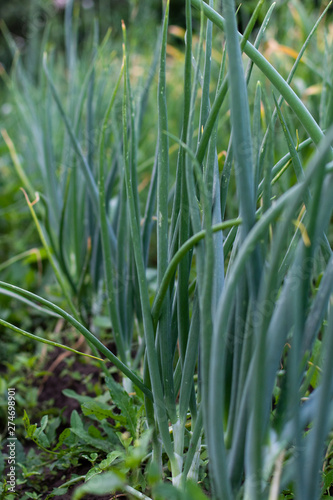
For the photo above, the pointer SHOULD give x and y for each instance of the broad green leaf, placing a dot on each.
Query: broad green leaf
(125, 404)
(79, 397)
(59, 492)
(101, 485)
(40, 437)
(165, 491)
(110, 459)
(78, 429)
(104, 465)
(44, 422)
(194, 492)
(100, 410)
(62, 438)
(328, 480)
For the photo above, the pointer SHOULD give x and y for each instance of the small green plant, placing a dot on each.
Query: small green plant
(233, 363)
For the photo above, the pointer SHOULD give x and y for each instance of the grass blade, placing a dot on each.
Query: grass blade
(154, 373)
(181, 190)
(179, 255)
(80, 328)
(240, 120)
(91, 184)
(319, 307)
(320, 427)
(44, 341)
(107, 251)
(50, 256)
(162, 227)
(273, 76)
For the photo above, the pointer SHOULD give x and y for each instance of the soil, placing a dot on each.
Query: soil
(53, 385)
(51, 390)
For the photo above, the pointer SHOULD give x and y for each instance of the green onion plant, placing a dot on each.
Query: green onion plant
(241, 304)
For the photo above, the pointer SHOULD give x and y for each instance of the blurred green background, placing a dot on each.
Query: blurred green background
(27, 20)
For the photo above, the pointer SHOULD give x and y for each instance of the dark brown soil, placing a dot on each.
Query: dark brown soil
(51, 396)
(52, 386)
